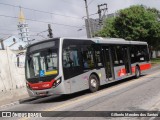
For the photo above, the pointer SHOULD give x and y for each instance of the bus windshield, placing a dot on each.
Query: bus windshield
(42, 63)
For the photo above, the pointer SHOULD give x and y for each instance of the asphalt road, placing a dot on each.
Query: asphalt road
(131, 94)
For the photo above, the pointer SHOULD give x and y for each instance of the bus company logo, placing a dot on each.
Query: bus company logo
(45, 85)
(35, 87)
(6, 114)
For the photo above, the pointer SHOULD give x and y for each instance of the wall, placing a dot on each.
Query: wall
(11, 76)
(154, 54)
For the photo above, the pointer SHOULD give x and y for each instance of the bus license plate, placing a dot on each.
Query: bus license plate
(42, 93)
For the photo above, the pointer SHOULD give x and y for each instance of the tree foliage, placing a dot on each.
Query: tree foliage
(135, 23)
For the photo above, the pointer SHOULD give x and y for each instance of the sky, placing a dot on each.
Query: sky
(66, 20)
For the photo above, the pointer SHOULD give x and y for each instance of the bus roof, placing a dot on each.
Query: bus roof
(98, 40)
(110, 40)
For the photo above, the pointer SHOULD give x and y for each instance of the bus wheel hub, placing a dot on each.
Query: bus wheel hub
(93, 83)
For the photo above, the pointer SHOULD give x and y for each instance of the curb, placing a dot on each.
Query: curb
(9, 105)
(21, 101)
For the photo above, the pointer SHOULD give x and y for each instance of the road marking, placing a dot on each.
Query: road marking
(94, 95)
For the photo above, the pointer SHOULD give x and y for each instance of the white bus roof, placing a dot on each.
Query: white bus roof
(99, 40)
(110, 40)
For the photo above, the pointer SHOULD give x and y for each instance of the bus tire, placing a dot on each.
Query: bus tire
(137, 72)
(93, 83)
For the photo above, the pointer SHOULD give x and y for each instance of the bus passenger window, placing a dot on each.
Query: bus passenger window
(98, 58)
(117, 54)
(87, 57)
(85, 64)
(88, 61)
(70, 58)
(143, 53)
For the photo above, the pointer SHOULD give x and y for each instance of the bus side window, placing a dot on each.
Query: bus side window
(98, 58)
(117, 54)
(70, 58)
(143, 53)
(139, 53)
(133, 51)
(87, 55)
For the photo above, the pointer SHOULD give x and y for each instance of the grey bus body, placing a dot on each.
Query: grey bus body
(109, 59)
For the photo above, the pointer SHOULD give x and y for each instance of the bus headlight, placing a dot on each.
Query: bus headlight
(28, 86)
(57, 82)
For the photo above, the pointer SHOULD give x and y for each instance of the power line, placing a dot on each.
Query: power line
(69, 2)
(7, 34)
(32, 32)
(90, 2)
(7, 29)
(16, 31)
(89, 15)
(40, 21)
(41, 11)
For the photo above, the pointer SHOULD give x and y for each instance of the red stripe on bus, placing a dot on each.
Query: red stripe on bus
(133, 69)
(41, 85)
(122, 72)
(145, 66)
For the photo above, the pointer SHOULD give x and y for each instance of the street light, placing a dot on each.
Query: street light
(14, 42)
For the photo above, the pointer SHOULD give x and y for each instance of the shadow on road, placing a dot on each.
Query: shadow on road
(62, 98)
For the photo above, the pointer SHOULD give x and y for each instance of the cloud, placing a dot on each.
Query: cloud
(75, 8)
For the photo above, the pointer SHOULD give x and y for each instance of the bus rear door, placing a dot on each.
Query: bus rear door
(107, 63)
(127, 61)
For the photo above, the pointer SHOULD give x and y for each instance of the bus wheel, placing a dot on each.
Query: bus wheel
(138, 72)
(93, 83)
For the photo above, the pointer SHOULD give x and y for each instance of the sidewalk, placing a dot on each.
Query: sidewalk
(13, 96)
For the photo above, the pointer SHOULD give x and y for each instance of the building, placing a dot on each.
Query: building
(23, 28)
(96, 25)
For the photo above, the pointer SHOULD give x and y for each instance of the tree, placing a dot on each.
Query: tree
(135, 23)
(108, 28)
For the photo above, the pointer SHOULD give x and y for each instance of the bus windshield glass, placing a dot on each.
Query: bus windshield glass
(42, 63)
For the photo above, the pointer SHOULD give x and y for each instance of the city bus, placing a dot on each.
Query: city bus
(67, 65)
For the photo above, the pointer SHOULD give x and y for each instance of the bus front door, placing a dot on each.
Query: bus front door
(107, 63)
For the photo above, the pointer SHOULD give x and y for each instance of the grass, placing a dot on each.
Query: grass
(155, 61)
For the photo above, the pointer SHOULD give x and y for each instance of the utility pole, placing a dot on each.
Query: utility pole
(100, 9)
(2, 44)
(50, 34)
(88, 20)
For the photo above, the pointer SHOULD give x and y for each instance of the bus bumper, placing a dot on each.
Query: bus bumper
(46, 92)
